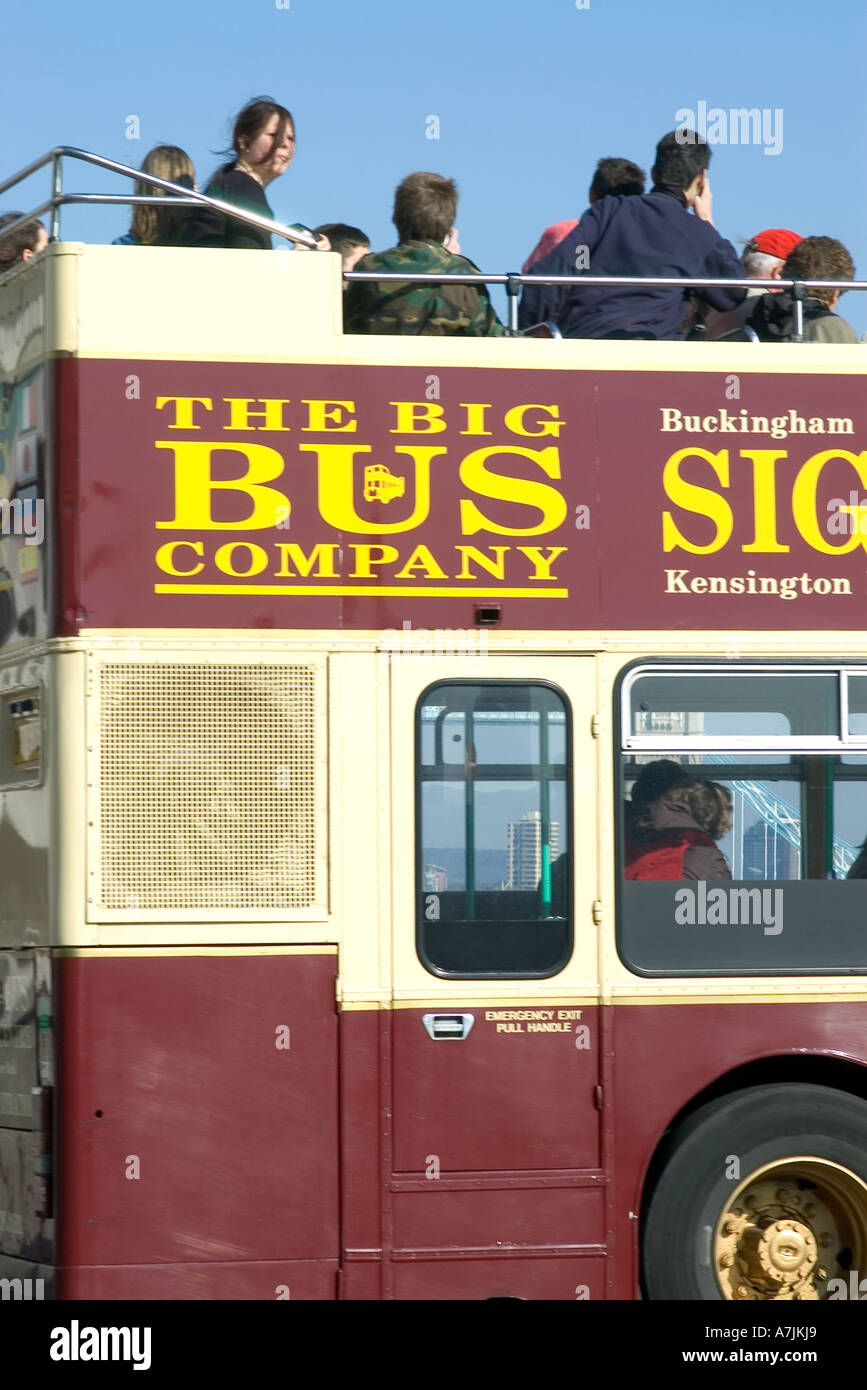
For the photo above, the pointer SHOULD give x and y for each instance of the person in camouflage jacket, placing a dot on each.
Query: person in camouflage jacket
(425, 207)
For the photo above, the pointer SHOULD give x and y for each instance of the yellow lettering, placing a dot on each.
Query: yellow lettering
(194, 485)
(241, 413)
(225, 556)
(804, 501)
(321, 555)
(421, 558)
(336, 486)
(166, 558)
(408, 417)
(320, 413)
(364, 558)
(184, 409)
(700, 500)
(514, 420)
(475, 418)
(495, 566)
(765, 500)
(535, 556)
(474, 474)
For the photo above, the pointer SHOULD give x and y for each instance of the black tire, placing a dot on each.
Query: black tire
(759, 1126)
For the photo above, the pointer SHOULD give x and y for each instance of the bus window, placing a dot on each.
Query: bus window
(856, 706)
(850, 816)
(718, 707)
(20, 739)
(752, 891)
(493, 767)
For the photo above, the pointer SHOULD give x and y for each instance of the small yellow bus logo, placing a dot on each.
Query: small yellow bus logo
(380, 485)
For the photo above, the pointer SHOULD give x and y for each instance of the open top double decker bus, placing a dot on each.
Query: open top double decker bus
(321, 703)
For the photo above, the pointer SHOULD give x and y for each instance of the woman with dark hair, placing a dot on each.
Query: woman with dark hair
(263, 144)
(26, 241)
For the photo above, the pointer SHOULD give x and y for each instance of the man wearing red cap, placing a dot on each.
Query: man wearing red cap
(765, 254)
(764, 257)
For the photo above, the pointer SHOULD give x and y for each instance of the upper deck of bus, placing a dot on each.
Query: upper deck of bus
(213, 452)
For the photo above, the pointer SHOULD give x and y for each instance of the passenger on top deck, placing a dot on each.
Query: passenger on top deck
(29, 239)
(425, 207)
(763, 258)
(350, 243)
(558, 245)
(666, 233)
(814, 258)
(263, 140)
(152, 226)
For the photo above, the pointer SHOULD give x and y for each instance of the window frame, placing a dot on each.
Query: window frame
(765, 743)
(491, 682)
(626, 746)
(14, 776)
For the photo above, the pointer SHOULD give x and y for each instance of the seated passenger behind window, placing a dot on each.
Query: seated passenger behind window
(26, 241)
(152, 226)
(814, 258)
(671, 825)
(425, 208)
(263, 141)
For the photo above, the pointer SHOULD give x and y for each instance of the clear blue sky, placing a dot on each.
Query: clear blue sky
(528, 97)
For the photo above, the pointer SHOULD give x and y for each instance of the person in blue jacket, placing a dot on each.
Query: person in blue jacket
(667, 232)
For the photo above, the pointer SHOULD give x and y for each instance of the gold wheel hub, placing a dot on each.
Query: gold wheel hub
(781, 1252)
(790, 1228)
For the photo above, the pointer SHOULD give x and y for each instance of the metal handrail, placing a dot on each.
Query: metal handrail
(186, 197)
(467, 279)
(513, 282)
(553, 330)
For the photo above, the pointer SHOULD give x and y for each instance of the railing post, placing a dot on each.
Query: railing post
(56, 192)
(798, 298)
(513, 289)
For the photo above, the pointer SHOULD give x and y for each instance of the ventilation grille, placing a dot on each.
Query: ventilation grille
(206, 786)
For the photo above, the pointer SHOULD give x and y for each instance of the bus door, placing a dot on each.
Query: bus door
(26, 1082)
(495, 1126)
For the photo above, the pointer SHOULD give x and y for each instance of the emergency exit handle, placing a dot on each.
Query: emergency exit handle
(445, 1027)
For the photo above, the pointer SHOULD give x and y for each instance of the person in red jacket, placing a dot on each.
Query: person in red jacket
(672, 823)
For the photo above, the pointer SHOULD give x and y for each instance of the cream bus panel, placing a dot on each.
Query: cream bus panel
(225, 306)
(573, 678)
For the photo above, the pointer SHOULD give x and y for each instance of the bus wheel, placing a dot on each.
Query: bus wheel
(763, 1197)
